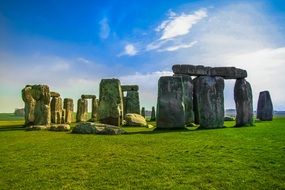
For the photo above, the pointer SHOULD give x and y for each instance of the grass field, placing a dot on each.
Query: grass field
(228, 158)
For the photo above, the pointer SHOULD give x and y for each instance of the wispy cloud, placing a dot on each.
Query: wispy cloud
(104, 28)
(177, 47)
(129, 50)
(179, 25)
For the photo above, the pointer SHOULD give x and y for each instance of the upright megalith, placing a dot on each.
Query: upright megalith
(264, 107)
(37, 104)
(152, 115)
(131, 100)
(143, 112)
(68, 108)
(56, 110)
(170, 106)
(209, 101)
(81, 115)
(187, 83)
(110, 109)
(94, 105)
(243, 100)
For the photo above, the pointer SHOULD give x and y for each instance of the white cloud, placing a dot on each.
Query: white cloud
(179, 25)
(129, 50)
(104, 28)
(179, 46)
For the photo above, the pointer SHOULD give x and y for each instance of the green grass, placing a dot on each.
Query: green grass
(227, 158)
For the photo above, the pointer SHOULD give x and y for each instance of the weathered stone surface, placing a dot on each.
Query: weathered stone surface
(37, 104)
(170, 106)
(81, 115)
(199, 70)
(243, 100)
(143, 112)
(96, 128)
(56, 110)
(110, 109)
(188, 98)
(88, 96)
(69, 108)
(264, 107)
(132, 102)
(133, 119)
(94, 109)
(153, 115)
(130, 87)
(209, 101)
(59, 127)
(54, 94)
(19, 112)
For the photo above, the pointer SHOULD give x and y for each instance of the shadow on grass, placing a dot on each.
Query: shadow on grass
(12, 128)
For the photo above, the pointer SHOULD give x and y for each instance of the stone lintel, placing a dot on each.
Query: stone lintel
(200, 70)
(130, 87)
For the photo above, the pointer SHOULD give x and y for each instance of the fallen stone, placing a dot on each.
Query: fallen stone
(110, 109)
(209, 101)
(59, 127)
(243, 100)
(37, 127)
(95, 128)
(264, 107)
(199, 70)
(170, 106)
(130, 87)
(133, 119)
(228, 118)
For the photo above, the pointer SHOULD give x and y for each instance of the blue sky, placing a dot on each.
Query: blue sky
(72, 45)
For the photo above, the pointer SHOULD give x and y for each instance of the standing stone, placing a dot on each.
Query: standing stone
(243, 100)
(264, 107)
(132, 102)
(153, 115)
(81, 115)
(209, 101)
(56, 110)
(110, 110)
(170, 106)
(143, 112)
(94, 109)
(37, 104)
(188, 98)
(68, 107)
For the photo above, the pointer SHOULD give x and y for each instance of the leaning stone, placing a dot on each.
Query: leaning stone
(152, 115)
(130, 87)
(54, 94)
(68, 107)
(59, 127)
(133, 119)
(170, 106)
(110, 110)
(264, 107)
(209, 101)
(199, 70)
(81, 115)
(243, 100)
(132, 102)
